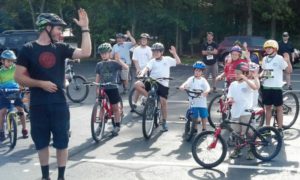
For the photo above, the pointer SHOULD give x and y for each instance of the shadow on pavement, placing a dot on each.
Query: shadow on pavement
(201, 173)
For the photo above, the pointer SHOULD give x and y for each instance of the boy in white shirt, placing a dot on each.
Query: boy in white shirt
(159, 67)
(273, 66)
(199, 104)
(240, 94)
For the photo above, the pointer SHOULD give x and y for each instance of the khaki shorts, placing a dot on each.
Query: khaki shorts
(124, 74)
(211, 69)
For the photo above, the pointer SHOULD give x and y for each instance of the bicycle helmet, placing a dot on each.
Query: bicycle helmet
(103, 48)
(244, 67)
(8, 55)
(199, 65)
(253, 67)
(51, 19)
(158, 47)
(237, 49)
(145, 35)
(120, 35)
(271, 44)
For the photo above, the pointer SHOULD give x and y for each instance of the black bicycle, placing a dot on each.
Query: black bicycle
(209, 148)
(189, 130)
(152, 110)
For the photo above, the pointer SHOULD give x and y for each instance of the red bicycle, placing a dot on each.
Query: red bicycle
(102, 112)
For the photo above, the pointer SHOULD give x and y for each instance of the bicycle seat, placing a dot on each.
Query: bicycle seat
(256, 111)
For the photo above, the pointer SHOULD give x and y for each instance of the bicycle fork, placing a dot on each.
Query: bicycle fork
(215, 140)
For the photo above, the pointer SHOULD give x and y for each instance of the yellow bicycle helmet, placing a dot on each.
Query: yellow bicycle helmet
(271, 44)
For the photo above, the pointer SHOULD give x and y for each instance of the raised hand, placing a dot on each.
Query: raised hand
(83, 20)
(173, 50)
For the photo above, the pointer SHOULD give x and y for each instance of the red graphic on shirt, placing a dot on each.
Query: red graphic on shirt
(47, 60)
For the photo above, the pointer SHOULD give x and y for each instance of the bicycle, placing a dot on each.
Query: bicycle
(139, 105)
(219, 110)
(152, 113)
(102, 111)
(209, 148)
(189, 123)
(10, 119)
(75, 88)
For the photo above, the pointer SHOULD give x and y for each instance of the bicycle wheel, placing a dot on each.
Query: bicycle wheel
(206, 156)
(76, 90)
(148, 118)
(139, 106)
(266, 144)
(12, 130)
(290, 109)
(98, 120)
(188, 128)
(215, 115)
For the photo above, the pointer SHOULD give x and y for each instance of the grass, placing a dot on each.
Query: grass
(188, 60)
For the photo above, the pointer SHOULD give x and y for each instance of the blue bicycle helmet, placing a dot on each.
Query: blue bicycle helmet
(199, 65)
(9, 55)
(237, 49)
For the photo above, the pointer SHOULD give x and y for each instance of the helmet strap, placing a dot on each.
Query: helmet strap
(49, 34)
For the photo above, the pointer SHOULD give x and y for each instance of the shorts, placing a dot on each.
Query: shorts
(162, 91)
(5, 103)
(124, 74)
(211, 69)
(199, 112)
(113, 95)
(272, 97)
(50, 118)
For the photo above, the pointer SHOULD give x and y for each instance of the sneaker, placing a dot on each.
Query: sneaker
(116, 130)
(164, 126)
(235, 154)
(2, 136)
(24, 133)
(250, 155)
(133, 108)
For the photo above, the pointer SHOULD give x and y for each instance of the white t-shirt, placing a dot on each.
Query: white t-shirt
(242, 96)
(198, 84)
(142, 55)
(161, 68)
(255, 96)
(277, 64)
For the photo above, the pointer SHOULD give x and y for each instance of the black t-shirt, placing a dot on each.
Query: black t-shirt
(46, 63)
(285, 48)
(108, 72)
(209, 59)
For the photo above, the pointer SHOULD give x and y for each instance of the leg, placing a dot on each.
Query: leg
(116, 111)
(62, 158)
(268, 109)
(140, 88)
(279, 113)
(164, 103)
(214, 72)
(124, 77)
(3, 112)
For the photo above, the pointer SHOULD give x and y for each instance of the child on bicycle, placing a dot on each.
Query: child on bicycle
(107, 72)
(231, 63)
(273, 66)
(159, 67)
(7, 82)
(240, 95)
(254, 77)
(199, 104)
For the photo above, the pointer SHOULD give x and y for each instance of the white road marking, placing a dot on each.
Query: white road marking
(26, 170)
(191, 164)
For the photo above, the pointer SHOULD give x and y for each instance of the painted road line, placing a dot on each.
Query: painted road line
(191, 164)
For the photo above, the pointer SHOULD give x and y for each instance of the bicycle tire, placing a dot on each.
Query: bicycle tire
(286, 109)
(260, 120)
(257, 141)
(201, 159)
(77, 88)
(121, 114)
(139, 109)
(12, 130)
(212, 119)
(188, 128)
(148, 118)
(97, 126)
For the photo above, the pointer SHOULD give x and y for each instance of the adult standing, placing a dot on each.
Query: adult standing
(286, 50)
(41, 66)
(209, 53)
(122, 48)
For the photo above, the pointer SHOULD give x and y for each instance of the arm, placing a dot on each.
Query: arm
(144, 71)
(22, 77)
(131, 38)
(249, 83)
(183, 85)
(123, 64)
(289, 68)
(86, 46)
(97, 80)
(174, 53)
(137, 66)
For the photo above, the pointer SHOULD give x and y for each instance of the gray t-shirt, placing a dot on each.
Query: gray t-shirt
(108, 72)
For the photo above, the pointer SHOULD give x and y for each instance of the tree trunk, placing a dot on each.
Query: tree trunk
(250, 18)
(32, 14)
(42, 7)
(273, 27)
(192, 41)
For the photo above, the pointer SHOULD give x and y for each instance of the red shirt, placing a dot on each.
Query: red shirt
(230, 69)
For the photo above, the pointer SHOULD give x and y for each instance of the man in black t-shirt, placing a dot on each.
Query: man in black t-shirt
(41, 67)
(286, 49)
(209, 53)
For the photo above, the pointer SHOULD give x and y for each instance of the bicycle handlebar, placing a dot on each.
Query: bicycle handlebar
(197, 92)
(157, 79)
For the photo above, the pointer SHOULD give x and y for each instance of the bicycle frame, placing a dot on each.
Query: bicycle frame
(106, 105)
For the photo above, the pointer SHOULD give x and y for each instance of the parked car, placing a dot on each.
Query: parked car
(255, 46)
(15, 39)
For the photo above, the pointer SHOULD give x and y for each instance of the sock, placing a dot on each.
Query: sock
(45, 171)
(118, 124)
(61, 172)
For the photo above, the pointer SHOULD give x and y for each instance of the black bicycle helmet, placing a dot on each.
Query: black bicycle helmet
(51, 19)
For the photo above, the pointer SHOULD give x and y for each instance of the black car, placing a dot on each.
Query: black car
(15, 39)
